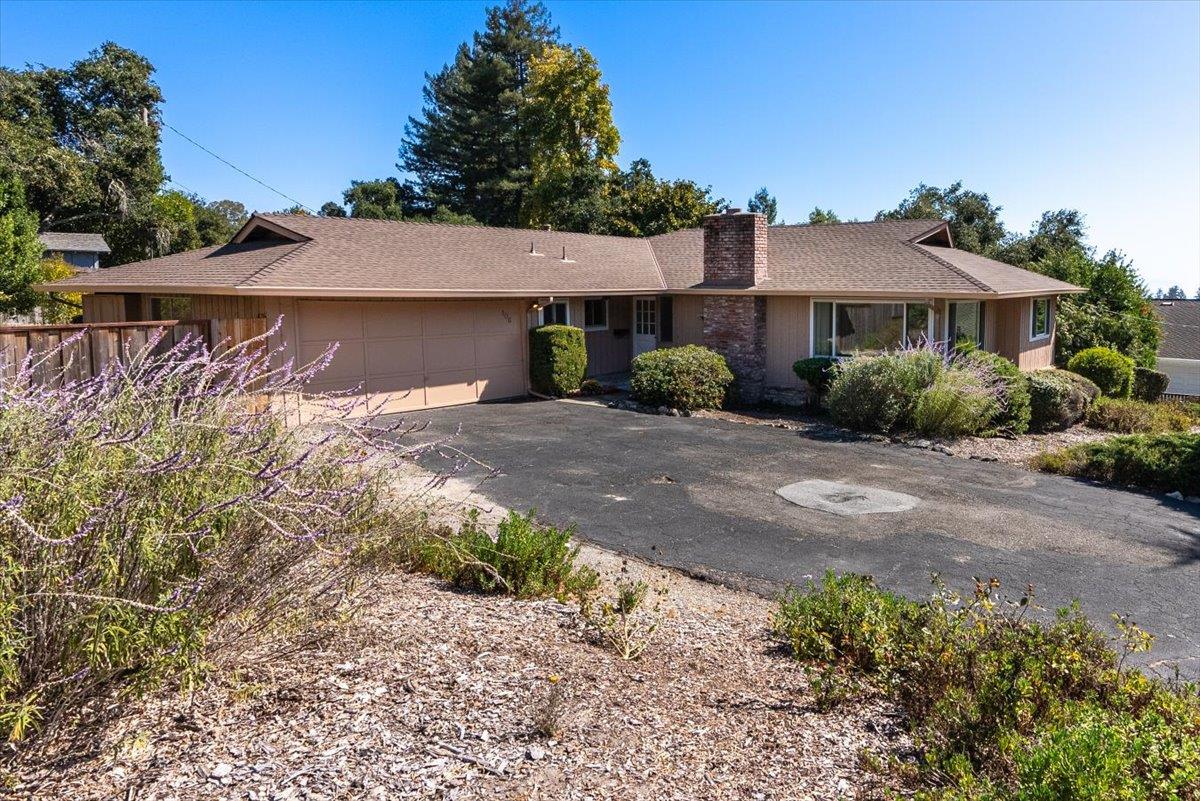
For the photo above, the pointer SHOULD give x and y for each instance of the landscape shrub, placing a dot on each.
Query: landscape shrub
(1012, 412)
(999, 704)
(1137, 417)
(557, 359)
(1058, 399)
(591, 386)
(879, 393)
(1160, 462)
(817, 371)
(525, 559)
(1149, 385)
(150, 516)
(689, 377)
(1112, 372)
(958, 403)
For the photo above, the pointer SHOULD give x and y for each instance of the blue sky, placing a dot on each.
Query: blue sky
(846, 106)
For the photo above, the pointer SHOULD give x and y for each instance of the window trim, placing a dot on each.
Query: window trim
(812, 319)
(650, 318)
(1034, 336)
(587, 327)
(542, 312)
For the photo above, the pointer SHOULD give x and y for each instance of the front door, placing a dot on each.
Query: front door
(645, 325)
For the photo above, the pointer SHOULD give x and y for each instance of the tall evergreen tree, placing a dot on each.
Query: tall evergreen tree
(468, 149)
(764, 203)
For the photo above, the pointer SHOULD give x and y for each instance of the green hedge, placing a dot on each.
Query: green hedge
(1149, 385)
(879, 393)
(557, 359)
(1162, 462)
(1107, 369)
(1058, 399)
(688, 377)
(1012, 413)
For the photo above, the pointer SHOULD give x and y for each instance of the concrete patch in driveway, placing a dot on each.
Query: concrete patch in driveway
(846, 500)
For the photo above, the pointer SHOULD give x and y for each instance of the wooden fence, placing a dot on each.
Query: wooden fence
(103, 342)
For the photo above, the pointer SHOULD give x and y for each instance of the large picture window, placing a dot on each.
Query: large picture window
(964, 322)
(843, 328)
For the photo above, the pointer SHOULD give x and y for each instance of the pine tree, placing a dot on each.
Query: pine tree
(468, 151)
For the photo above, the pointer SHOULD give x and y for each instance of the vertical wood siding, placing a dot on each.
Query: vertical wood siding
(688, 319)
(787, 339)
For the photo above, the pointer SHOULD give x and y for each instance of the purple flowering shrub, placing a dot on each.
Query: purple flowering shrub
(160, 508)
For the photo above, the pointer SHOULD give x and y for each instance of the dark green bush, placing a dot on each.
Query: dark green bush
(1137, 417)
(525, 559)
(1149, 385)
(879, 393)
(1162, 462)
(689, 377)
(1000, 705)
(1012, 414)
(817, 371)
(557, 359)
(1112, 372)
(1058, 399)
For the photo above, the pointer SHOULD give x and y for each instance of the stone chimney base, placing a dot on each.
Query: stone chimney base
(735, 326)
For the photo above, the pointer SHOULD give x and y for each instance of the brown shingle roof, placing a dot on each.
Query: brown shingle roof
(65, 242)
(354, 256)
(398, 256)
(1181, 328)
(221, 266)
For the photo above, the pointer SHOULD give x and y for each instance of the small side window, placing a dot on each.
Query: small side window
(555, 314)
(174, 308)
(1040, 319)
(595, 314)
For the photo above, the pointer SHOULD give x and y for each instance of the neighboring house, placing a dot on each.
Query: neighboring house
(1179, 351)
(430, 314)
(82, 251)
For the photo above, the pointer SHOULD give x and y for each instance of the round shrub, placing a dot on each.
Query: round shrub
(557, 359)
(1012, 412)
(817, 371)
(1107, 369)
(878, 393)
(688, 377)
(1149, 385)
(1058, 399)
(958, 403)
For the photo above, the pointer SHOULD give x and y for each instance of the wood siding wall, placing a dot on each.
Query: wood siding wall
(688, 319)
(1013, 323)
(787, 339)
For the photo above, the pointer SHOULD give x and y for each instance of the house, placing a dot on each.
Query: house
(1179, 350)
(429, 314)
(82, 251)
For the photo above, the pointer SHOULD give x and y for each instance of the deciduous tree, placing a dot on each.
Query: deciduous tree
(974, 220)
(820, 216)
(643, 205)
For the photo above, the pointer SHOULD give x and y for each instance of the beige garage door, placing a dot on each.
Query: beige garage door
(414, 355)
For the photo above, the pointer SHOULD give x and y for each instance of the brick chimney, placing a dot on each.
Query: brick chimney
(735, 248)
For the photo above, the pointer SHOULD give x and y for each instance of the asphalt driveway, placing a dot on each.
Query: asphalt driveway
(698, 494)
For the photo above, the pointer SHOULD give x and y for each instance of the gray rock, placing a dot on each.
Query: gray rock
(222, 770)
(535, 752)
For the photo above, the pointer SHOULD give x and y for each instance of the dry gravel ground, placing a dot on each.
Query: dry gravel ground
(426, 692)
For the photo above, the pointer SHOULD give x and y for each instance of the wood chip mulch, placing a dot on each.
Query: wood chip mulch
(431, 693)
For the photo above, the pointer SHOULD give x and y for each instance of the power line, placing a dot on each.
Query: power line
(233, 166)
